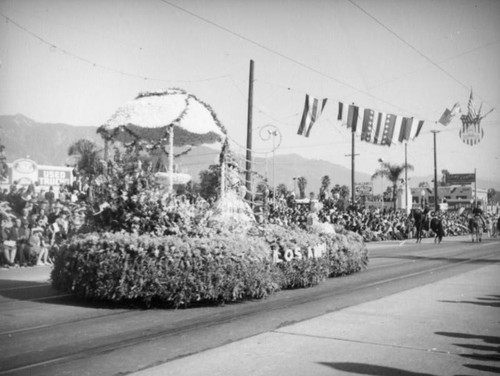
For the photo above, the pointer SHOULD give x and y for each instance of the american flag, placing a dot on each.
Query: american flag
(312, 111)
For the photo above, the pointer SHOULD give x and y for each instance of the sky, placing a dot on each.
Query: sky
(76, 62)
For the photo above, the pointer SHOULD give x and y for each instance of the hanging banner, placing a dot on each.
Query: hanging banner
(364, 189)
(471, 132)
(460, 179)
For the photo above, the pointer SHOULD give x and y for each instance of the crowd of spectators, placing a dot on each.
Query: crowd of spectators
(373, 224)
(42, 219)
(38, 221)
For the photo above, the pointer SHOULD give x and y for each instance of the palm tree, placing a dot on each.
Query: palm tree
(87, 158)
(392, 172)
(281, 189)
(325, 183)
(302, 183)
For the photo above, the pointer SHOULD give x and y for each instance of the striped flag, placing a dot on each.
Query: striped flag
(377, 137)
(405, 131)
(379, 128)
(418, 129)
(312, 111)
(448, 115)
(341, 113)
(471, 112)
(368, 125)
(353, 117)
(388, 132)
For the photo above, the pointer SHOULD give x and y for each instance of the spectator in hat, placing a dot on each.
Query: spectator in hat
(50, 196)
(8, 243)
(37, 246)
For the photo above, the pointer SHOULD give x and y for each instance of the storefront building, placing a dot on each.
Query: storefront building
(24, 172)
(451, 198)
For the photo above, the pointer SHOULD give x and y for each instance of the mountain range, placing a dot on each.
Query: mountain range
(48, 144)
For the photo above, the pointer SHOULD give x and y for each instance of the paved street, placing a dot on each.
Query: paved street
(417, 310)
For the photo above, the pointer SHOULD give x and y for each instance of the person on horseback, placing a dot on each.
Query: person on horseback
(436, 225)
(478, 212)
(421, 222)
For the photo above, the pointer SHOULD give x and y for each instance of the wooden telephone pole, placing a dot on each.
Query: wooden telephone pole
(436, 196)
(248, 165)
(353, 156)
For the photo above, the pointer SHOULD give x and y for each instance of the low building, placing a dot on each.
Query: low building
(453, 197)
(25, 171)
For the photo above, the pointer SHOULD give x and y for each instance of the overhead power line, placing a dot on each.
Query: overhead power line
(97, 65)
(277, 53)
(306, 66)
(411, 46)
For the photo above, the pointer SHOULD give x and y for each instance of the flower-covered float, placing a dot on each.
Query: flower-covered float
(144, 245)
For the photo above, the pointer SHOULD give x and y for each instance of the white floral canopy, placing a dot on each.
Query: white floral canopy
(151, 114)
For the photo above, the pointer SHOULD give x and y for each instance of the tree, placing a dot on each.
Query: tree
(344, 192)
(210, 182)
(341, 193)
(423, 184)
(88, 157)
(444, 178)
(392, 172)
(491, 195)
(388, 194)
(281, 189)
(325, 183)
(3, 163)
(302, 183)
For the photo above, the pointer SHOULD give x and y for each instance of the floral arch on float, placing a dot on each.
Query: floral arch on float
(155, 120)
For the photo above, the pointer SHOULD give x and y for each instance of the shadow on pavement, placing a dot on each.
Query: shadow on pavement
(482, 353)
(451, 260)
(487, 339)
(488, 301)
(480, 367)
(371, 369)
(42, 292)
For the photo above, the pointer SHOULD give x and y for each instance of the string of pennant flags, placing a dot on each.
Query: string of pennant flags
(382, 128)
(371, 126)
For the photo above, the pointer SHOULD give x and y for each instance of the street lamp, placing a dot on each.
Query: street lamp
(272, 131)
(380, 160)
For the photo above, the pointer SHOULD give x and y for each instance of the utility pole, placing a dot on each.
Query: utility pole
(248, 165)
(475, 189)
(436, 196)
(353, 156)
(406, 177)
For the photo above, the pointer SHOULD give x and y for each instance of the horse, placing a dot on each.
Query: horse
(475, 228)
(421, 222)
(437, 229)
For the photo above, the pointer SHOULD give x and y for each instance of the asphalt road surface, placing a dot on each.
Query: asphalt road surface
(43, 332)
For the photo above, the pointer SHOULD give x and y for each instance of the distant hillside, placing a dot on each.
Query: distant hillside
(286, 168)
(48, 144)
(44, 143)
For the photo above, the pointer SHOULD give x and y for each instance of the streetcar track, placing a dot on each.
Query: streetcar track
(72, 322)
(198, 323)
(406, 260)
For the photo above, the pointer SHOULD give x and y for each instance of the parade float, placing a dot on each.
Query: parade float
(143, 245)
